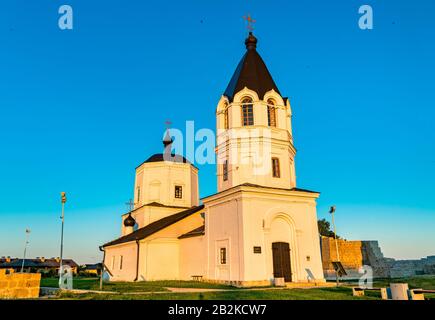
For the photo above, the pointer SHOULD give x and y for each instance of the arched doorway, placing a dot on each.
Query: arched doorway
(281, 261)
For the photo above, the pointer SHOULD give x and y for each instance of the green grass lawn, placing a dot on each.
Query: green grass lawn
(425, 282)
(280, 294)
(143, 286)
(156, 290)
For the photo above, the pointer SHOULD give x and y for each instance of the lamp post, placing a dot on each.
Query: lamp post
(25, 249)
(332, 211)
(63, 201)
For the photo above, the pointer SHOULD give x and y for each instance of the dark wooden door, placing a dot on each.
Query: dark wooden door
(281, 261)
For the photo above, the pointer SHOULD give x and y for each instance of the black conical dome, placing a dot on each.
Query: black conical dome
(251, 72)
(129, 221)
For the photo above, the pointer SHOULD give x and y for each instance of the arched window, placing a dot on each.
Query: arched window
(226, 124)
(271, 113)
(247, 112)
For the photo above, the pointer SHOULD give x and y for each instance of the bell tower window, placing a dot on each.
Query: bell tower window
(225, 170)
(247, 112)
(138, 194)
(271, 113)
(226, 125)
(275, 168)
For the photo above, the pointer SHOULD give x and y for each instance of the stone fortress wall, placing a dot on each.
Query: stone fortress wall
(406, 268)
(355, 254)
(19, 285)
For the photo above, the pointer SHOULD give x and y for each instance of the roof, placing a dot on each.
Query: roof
(251, 72)
(264, 187)
(194, 233)
(152, 228)
(37, 263)
(94, 266)
(160, 157)
(158, 204)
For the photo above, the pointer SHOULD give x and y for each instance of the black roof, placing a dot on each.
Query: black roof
(159, 157)
(251, 72)
(152, 228)
(194, 233)
(156, 204)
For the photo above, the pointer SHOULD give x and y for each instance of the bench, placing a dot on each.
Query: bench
(413, 294)
(418, 294)
(197, 278)
(358, 292)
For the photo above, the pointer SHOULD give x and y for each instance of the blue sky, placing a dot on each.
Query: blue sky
(80, 109)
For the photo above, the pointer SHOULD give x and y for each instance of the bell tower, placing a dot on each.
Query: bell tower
(254, 133)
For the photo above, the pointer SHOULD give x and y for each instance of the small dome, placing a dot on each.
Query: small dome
(129, 221)
(167, 140)
(251, 42)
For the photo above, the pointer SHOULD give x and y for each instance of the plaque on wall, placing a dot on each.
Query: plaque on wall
(257, 249)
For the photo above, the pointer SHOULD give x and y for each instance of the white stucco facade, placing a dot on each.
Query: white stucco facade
(245, 217)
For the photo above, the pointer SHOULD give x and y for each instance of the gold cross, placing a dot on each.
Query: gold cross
(250, 22)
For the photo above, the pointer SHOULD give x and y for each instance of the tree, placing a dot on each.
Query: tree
(325, 228)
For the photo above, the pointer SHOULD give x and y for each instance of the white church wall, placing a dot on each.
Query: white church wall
(122, 261)
(257, 217)
(193, 260)
(244, 157)
(157, 181)
(160, 252)
(194, 188)
(223, 220)
(159, 259)
(286, 218)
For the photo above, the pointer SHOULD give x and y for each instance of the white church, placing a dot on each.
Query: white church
(257, 229)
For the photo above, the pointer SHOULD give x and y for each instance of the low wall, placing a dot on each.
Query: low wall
(353, 255)
(19, 285)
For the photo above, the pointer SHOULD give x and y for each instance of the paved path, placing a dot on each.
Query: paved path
(198, 290)
(190, 290)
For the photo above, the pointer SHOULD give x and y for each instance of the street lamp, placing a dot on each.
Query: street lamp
(331, 211)
(63, 201)
(25, 248)
(338, 264)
